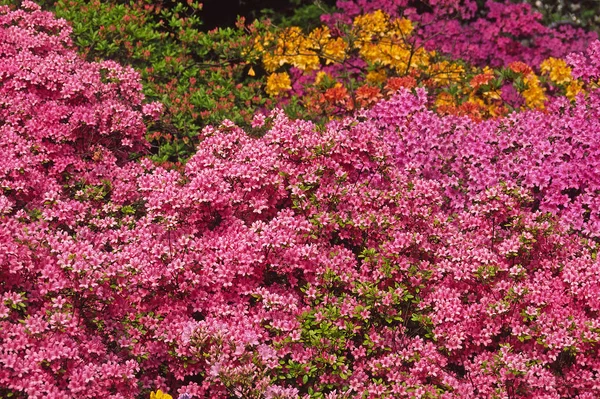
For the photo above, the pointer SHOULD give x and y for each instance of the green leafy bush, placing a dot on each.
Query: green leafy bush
(201, 77)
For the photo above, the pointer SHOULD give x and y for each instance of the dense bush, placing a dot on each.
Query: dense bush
(396, 252)
(68, 127)
(325, 73)
(204, 76)
(200, 76)
(494, 33)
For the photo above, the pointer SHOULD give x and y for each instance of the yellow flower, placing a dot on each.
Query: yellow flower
(444, 99)
(160, 395)
(574, 88)
(263, 42)
(402, 27)
(251, 72)
(320, 76)
(492, 95)
(369, 25)
(444, 73)
(272, 62)
(319, 37)
(421, 58)
(316, 43)
(557, 69)
(534, 94)
(305, 62)
(290, 47)
(278, 83)
(335, 51)
(376, 77)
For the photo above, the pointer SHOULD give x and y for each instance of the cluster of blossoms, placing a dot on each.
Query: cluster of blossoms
(205, 77)
(198, 76)
(494, 35)
(393, 253)
(377, 54)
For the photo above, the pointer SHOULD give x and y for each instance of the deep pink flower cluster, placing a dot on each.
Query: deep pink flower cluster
(586, 65)
(394, 253)
(553, 154)
(500, 33)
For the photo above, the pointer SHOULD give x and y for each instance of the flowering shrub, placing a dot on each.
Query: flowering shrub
(67, 128)
(495, 35)
(394, 253)
(203, 77)
(200, 77)
(376, 55)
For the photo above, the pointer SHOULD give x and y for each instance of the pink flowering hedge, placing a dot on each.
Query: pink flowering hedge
(396, 253)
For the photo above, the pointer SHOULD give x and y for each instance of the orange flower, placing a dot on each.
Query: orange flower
(393, 84)
(520, 67)
(481, 79)
(338, 95)
(472, 110)
(367, 95)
